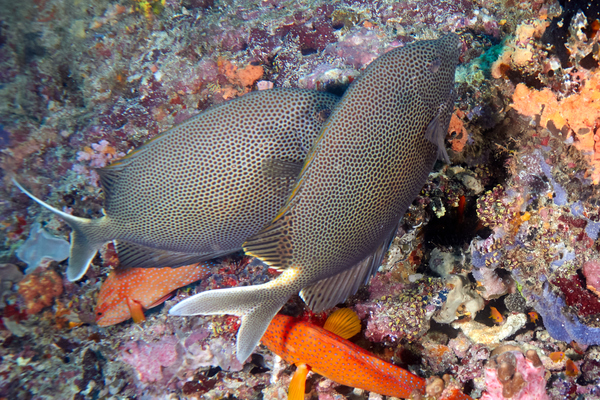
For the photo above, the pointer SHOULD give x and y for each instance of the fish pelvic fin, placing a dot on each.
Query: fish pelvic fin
(298, 383)
(255, 305)
(136, 310)
(273, 244)
(83, 248)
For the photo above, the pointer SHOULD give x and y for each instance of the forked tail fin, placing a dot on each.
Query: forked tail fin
(256, 305)
(83, 250)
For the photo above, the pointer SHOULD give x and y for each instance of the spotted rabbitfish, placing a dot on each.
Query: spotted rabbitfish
(199, 190)
(370, 161)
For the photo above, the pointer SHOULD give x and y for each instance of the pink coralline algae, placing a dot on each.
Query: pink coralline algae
(152, 361)
(591, 271)
(512, 375)
(99, 154)
(358, 48)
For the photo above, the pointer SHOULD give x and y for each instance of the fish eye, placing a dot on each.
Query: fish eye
(99, 313)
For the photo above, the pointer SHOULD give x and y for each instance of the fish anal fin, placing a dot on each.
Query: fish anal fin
(298, 383)
(336, 289)
(328, 292)
(160, 301)
(133, 255)
(343, 322)
(136, 310)
(273, 244)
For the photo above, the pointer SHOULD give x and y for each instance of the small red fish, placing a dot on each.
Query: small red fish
(496, 316)
(557, 356)
(325, 352)
(533, 316)
(571, 368)
(126, 293)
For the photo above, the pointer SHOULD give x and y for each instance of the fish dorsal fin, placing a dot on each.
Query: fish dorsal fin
(272, 245)
(336, 289)
(110, 174)
(343, 322)
(132, 255)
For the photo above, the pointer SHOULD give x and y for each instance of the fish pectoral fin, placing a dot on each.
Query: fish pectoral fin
(283, 175)
(436, 134)
(298, 383)
(132, 255)
(136, 310)
(343, 322)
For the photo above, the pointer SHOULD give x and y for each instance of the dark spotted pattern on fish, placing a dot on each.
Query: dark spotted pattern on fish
(371, 160)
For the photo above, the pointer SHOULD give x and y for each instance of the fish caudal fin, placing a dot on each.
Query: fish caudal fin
(83, 250)
(255, 305)
(298, 383)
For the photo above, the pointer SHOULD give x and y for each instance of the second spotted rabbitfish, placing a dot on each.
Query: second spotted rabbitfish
(370, 161)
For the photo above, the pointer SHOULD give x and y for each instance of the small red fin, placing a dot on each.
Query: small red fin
(455, 394)
(343, 322)
(298, 383)
(136, 310)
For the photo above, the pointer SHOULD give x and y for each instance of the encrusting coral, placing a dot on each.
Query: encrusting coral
(577, 115)
(39, 289)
